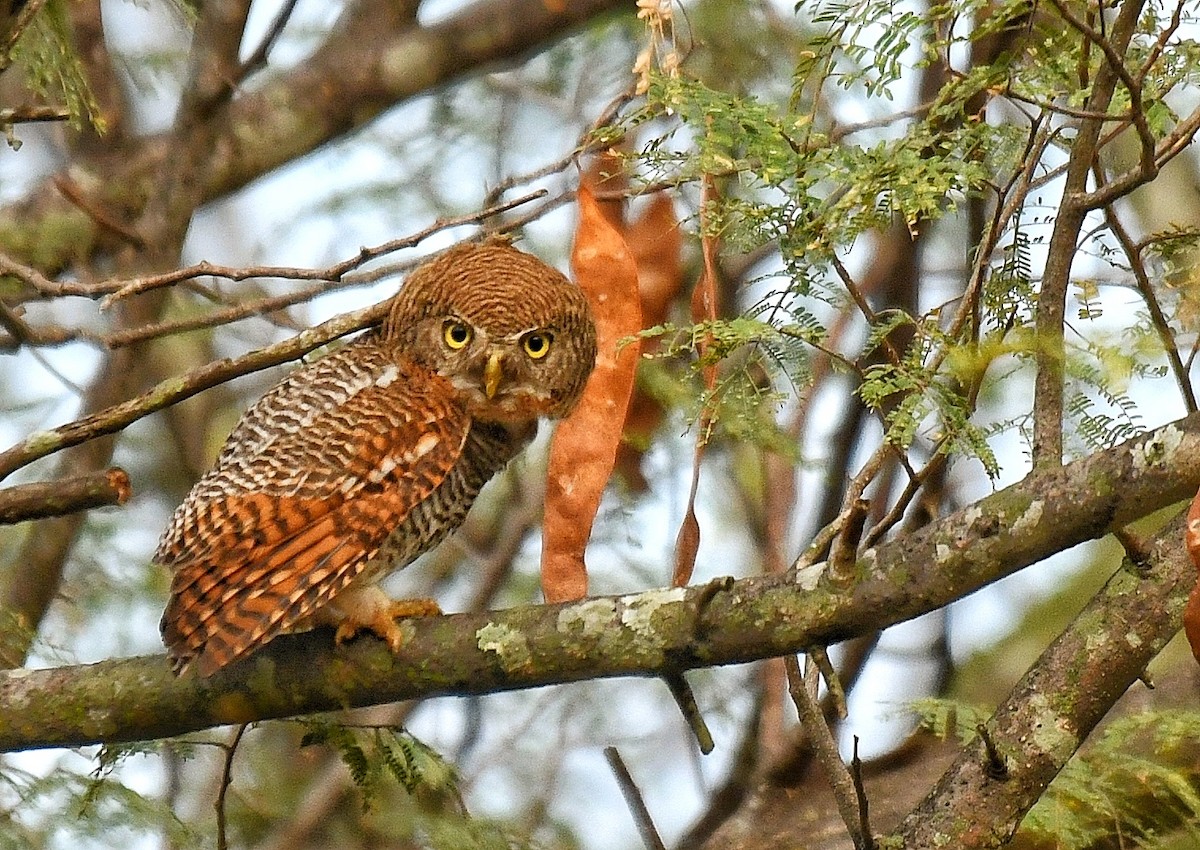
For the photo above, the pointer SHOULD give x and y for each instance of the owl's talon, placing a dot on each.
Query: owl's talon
(381, 621)
(401, 609)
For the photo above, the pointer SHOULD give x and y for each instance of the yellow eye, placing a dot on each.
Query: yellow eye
(456, 334)
(537, 344)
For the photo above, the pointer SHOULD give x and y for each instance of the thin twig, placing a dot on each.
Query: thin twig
(33, 114)
(168, 392)
(818, 549)
(726, 798)
(36, 280)
(15, 325)
(818, 656)
(995, 767)
(585, 145)
(94, 210)
(118, 289)
(12, 33)
(1157, 318)
(864, 806)
(826, 750)
(257, 307)
(1116, 63)
(686, 700)
(226, 779)
(258, 58)
(633, 799)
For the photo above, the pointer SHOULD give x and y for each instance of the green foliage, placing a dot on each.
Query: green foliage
(1008, 291)
(814, 199)
(911, 398)
(378, 754)
(751, 357)
(948, 718)
(790, 177)
(52, 68)
(1137, 779)
(384, 758)
(65, 805)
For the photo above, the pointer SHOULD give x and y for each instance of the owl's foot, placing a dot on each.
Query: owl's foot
(370, 609)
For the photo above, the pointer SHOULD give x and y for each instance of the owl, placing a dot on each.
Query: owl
(355, 464)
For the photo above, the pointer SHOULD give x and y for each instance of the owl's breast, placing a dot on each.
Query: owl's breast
(488, 450)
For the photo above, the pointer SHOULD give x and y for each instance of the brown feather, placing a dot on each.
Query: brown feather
(355, 464)
(260, 561)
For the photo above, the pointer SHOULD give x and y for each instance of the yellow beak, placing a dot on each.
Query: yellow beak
(492, 375)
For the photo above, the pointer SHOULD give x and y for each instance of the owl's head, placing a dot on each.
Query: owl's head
(513, 335)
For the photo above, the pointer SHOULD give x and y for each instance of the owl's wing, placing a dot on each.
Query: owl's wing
(309, 485)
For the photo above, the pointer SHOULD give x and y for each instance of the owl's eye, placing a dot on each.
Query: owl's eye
(537, 344)
(456, 334)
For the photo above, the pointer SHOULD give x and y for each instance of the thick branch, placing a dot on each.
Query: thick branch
(55, 498)
(1059, 701)
(645, 634)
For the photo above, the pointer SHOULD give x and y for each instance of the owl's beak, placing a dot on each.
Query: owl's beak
(492, 375)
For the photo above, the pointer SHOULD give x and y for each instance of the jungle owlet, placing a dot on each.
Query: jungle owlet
(357, 463)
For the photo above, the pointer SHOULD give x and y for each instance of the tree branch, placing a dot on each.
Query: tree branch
(118, 416)
(359, 71)
(1051, 307)
(55, 498)
(645, 634)
(1058, 702)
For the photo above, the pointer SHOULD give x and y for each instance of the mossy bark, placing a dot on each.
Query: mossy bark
(646, 634)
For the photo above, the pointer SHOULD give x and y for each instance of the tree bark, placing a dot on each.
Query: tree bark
(645, 634)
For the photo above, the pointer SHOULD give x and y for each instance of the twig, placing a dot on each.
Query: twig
(686, 700)
(119, 289)
(258, 58)
(13, 32)
(55, 498)
(226, 779)
(727, 797)
(818, 656)
(633, 799)
(1157, 318)
(15, 325)
(36, 280)
(826, 750)
(994, 765)
(935, 466)
(864, 806)
(33, 114)
(257, 307)
(585, 145)
(97, 213)
(168, 392)
(845, 545)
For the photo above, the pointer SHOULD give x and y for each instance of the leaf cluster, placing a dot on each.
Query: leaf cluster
(793, 178)
(64, 806)
(753, 358)
(377, 755)
(53, 70)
